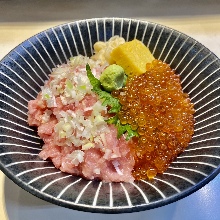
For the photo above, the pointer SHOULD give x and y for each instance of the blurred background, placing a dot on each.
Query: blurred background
(67, 10)
(20, 19)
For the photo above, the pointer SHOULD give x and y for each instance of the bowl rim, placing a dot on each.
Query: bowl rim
(110, 210)
(111, 18)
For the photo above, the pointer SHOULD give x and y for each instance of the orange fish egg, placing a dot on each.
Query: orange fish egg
(155, 105)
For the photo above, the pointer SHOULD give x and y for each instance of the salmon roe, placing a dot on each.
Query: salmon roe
(154, 104)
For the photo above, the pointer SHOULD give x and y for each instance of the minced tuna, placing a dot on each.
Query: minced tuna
(71, 120)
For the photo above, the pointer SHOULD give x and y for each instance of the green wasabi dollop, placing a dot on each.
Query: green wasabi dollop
(113, 78)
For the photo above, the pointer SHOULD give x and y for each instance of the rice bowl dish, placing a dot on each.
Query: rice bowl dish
(23, 74)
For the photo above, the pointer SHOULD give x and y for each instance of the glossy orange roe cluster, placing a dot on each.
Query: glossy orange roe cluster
(154, 104)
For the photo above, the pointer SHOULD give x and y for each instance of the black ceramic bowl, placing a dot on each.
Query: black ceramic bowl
(25, 69)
